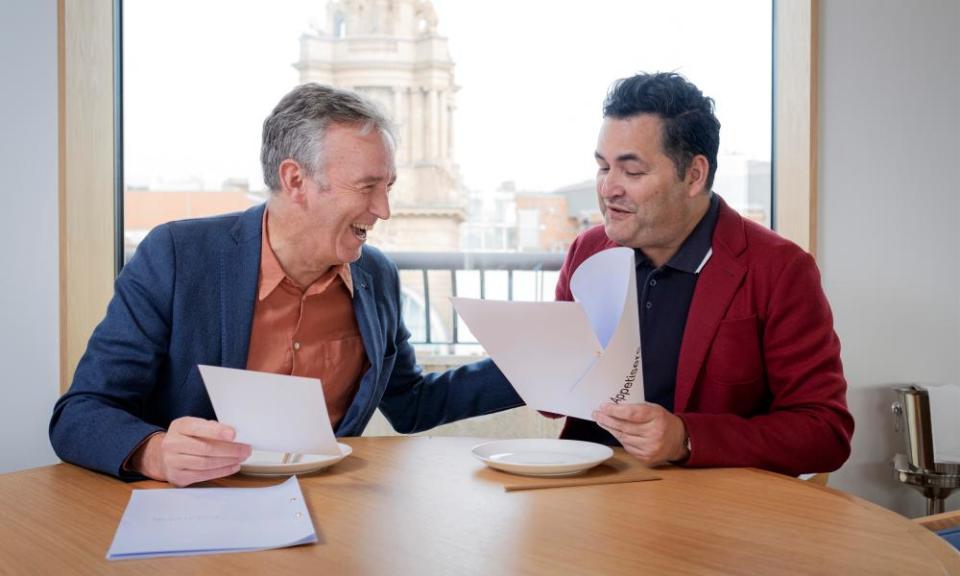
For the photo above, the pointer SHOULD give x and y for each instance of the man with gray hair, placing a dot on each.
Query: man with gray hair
(287, 287)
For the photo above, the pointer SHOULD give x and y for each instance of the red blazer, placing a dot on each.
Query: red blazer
(759, 380)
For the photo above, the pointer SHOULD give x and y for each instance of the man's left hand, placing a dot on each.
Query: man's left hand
(647, 431)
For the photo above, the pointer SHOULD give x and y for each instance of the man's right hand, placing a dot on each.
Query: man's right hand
(192, 450)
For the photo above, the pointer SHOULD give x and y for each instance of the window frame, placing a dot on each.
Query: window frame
(87, 172)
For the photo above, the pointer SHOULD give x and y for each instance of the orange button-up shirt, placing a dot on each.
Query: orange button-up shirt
(308, 332)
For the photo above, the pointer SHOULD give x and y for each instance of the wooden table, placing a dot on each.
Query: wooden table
(425, 506)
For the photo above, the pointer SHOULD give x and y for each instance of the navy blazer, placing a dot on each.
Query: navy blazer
(187, 297)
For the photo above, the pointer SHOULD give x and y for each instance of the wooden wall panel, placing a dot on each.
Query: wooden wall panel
(86, 173)
(795, 121)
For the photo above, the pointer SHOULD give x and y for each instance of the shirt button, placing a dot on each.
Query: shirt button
(296, 345)
(653, 282)
(649, 304)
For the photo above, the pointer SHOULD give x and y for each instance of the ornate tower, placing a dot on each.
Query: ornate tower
(389, 50)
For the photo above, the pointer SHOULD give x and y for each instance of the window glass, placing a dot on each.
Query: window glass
(497, 105)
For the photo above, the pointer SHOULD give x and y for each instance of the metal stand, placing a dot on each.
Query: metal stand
(918, 467)
(935, 485)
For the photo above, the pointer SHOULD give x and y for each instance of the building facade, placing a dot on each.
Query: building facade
(390, 51)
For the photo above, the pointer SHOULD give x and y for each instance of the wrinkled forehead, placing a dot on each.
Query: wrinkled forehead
(357, 153)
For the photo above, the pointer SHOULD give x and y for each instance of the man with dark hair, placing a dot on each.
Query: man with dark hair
(288, 287)
(741, 364)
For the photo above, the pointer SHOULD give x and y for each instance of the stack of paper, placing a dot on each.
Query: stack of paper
(180, 522)
(569, 357)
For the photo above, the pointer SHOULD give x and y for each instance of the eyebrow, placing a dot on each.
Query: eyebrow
(627, 157)
(375, 179)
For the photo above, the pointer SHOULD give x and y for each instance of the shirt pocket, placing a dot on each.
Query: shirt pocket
(736, 358)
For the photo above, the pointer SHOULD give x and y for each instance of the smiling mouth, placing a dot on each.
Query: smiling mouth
(360, 230)
(617, 210)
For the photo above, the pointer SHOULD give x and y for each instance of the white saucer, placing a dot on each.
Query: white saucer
(542, 457)
(270, 463)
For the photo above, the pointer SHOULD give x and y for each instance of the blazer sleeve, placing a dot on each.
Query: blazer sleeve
(97, 423)
(414, 401)
(807, 427)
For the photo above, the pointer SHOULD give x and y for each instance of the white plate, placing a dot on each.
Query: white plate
(542, 457)
(271, 463)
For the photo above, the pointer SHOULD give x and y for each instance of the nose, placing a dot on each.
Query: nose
(380, 204)
(608, 186)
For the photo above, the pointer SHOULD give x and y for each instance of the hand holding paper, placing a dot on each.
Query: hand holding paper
(191, 450)
(648, 432)
(569, 357)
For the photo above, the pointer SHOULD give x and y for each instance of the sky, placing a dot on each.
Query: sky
(201, 75)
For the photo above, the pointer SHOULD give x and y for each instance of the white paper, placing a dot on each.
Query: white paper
(272, 412)
(944, 407)
(568, 357)
(189, 521)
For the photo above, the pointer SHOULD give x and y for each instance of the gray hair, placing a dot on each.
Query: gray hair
(298, 124)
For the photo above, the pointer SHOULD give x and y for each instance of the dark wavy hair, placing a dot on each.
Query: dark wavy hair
(689, 124)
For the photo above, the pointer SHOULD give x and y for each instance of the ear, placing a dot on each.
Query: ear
(696, 177)
(292, 180)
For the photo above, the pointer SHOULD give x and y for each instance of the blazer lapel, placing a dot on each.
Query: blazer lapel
(718, 284)
(365, 311)
(239, 272)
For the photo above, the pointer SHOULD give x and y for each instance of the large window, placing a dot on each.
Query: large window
(497, 104)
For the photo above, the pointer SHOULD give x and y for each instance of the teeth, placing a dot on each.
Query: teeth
(361, 230)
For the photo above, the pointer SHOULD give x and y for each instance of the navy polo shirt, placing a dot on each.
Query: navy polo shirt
(663, 298)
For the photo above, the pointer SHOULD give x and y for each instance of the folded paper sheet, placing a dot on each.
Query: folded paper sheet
(569, 357)
(272, 412)
(187, 521)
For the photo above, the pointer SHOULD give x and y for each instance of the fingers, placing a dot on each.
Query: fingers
(634, 420)
(190, 426)
(180, 444)
(649, 451)
(200, 463)
(195, 450)
(189, 460)
(641, 450)
(637, 413)
(642, 429)
(187, 477)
